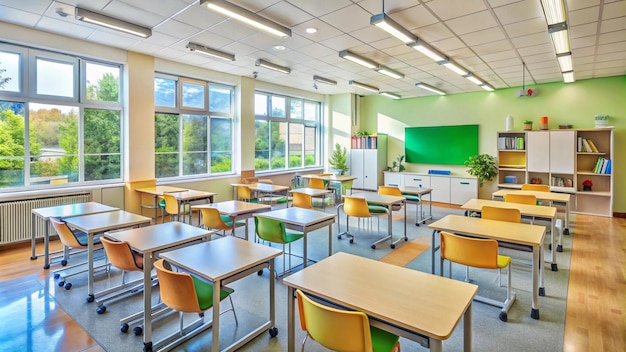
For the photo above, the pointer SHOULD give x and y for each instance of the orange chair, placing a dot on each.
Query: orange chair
(301, 200)
(535, 187)
(358, 207)
(502, 214)
(244, 193)
(520, 198)
(212, 219)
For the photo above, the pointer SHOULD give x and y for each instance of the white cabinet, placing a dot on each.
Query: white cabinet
(562, 152)
(538, 145)
(463, 189)
(441, 189)
(368, 165)
(445, 189)
(551, 158)
(417, 180)
(394, 179)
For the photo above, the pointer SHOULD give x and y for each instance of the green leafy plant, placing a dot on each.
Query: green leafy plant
(483, 166)
(362, 133)
(400, 160)
(339, 159)
(528, 122)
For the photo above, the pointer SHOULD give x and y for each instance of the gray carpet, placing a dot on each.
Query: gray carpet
(520, 333)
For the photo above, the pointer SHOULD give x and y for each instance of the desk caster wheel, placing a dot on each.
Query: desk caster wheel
(417, 224)
(273, 331)
(566, 232)
(68, 285)
(352, 240)
(338, 237)
(33, 258)
(554, 267)
(124, 328)
(550, 247)
(534, 313)
(63, 262)
(503, 316)
(138, 330)
(56, 276)
(90, 298)
(393, 246)
(559, 248)
(373, 246)
(46, 267)
(61, 283)
(147, 347)
(406, 239)
(542, 291)
(260, 272)
(101, 309)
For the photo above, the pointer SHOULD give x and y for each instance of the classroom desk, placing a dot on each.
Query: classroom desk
(314, 193)
(305, 221)
(533, 211)
(415, 305)
(389, 202)
(421, 192)
(344, 180)
(149, 241)
(61, 212)
(223, 261)
(186, 197)
(157, 191)
(502, 231)
(98, 223)
(555, 199)
(262, 189)
(237, 210)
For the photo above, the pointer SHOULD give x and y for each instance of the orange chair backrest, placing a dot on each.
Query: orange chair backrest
(211, 219)
(389, 191)
(301, 200)
(121, 255)
(502, 214)
(243, 192)
(171, 204)
(317, 183)
(521, 198)
(532, 187)
(176, 289)
(66, 235)
(475, 252)
(354, 206)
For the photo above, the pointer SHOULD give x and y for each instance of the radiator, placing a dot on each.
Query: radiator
(16, 217)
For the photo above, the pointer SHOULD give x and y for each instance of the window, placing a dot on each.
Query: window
(191, 139)
(286, 138)
(60, 129)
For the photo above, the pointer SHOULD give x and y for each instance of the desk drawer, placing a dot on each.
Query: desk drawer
(463, 189)
(417, 181)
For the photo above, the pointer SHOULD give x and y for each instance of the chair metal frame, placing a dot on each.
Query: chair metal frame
(358, 207)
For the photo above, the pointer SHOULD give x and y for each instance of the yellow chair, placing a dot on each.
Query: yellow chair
(342, 330)
(301, 200)
(535, 187)
(73, 240)
(245, 194)
(274, 231)
(520, 198)
(502, 214)
(357, 207)
(477, 253)
(121, 256)
(391, 191)
(321, 184)
(212, 219)
(171, 206)
(186, 293)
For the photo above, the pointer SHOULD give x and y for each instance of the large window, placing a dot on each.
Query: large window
(287, 132)
(193, 127)
(60, 119)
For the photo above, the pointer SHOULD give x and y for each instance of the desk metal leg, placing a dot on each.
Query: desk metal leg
(147, 302)
(291, 326)
(467, 329)
(90, 259)
(33, 243)
(217, 286)
(534, 313)
(46, 245)
(405, 238)
(304, 250)
(433, 249)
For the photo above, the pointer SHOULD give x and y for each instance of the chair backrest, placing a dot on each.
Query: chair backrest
(302, 200)
(121, 255)
(66, 235)
(211, 219)
(521, 198)
(176, 289)
(338, 330)
(475, 252)
(531, 187)
(389, 191)
(244, 193)
(355, 206)
(502, 214)
(171, 204)
(270, 229)
(317, 183)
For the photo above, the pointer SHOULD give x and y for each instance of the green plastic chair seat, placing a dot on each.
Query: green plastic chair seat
(204, 291)
(382, 340)
(411, 197)
(293, 236)
(226, 220)
(377, 209)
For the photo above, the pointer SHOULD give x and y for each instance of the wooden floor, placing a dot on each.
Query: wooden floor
(596, 303)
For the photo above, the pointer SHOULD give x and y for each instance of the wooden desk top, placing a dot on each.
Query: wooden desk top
(221, 258)
(159, 190)
(100, 222)
(428, 304)
(313, 192)
(68, 210)
(512, 232)
(298, 216)
(263, 187)
(538, 211)
(154, 238)
(192, 195)
(415, 190)
(234, 207)
(551, 196)
(339, 178)
(381, 199)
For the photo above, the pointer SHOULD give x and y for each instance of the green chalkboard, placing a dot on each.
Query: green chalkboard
(449, 145)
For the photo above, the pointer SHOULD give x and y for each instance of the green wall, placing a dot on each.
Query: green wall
(573, 103)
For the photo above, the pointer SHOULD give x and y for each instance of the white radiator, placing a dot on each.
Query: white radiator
(16, 217)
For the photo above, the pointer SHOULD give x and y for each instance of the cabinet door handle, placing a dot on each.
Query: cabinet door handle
(464, 183)
(393, 184)
(417, 179)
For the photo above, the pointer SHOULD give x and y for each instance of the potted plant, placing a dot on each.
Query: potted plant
(528, 125)
(483, 166)
(339, 159)
(601, 120)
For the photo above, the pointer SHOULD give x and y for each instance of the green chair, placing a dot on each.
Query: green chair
(274, 231)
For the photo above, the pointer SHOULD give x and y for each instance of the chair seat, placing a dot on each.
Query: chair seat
(377, 209)
(229, 223)
(382, 340)
(411, 198)
(204, 291)
(292, 236)
(503, 261)
(83, 238)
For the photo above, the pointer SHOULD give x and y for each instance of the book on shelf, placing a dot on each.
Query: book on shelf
(596, 169)
(608, 166)
(587, 146)
(592, 145)
(511, 143)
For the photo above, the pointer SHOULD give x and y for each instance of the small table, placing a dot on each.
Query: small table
(236, 210)
(389, 202)
(223, 261)
(305, 221)
(313, 192)
(186, 197)
(421, 192)
(157, 191)
(504, 231)
(98, 223)
(61, 212)
(418, 306)
(148, 241)
(344, 180)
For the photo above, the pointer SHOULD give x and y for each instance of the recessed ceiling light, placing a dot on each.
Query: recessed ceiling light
(279, 47)
(311, 30)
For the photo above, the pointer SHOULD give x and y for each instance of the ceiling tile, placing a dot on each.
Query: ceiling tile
(614, 9)
(573, 5)
(582, 16)
(359, 18)
(519, 12)
(472, 23)
(484, 36)
(448, 9)
(583, 30)
(320, 8)
(531, 39)
(614, 24)
(285, 14)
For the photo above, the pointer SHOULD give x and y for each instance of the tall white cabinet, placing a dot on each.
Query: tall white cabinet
(551, 158)
(368, 165)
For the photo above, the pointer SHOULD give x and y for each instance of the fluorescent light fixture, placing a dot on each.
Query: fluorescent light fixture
(487, 87)
(560, 40)
(554, 11)
(348, 55)
(389, 72)
(473, 79)
(430, 88)
(565, 61)
(111, 22)
(320, 79)
(454, 67)
(271, 66)
(390, 26)
(568, 77)
(197, 48)
(364, 86)
(427, 50)
(246, 16)
(390, 95)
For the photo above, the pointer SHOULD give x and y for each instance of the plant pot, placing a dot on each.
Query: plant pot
(528, 127)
